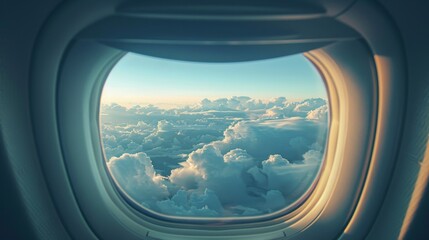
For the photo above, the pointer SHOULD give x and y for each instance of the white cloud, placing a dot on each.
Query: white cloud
(312, 156)
(185, 203)
(276, 112)
(320, 113)
(309, 104)
(164, 126)
(136, 175)
(239, 156)
(273, 162)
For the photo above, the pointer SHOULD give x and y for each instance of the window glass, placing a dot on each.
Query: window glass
(214, 139)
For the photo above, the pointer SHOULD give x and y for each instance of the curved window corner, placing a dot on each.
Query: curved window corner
(241, 141)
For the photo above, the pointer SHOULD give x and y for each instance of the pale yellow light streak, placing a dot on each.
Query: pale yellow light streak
(416, 197)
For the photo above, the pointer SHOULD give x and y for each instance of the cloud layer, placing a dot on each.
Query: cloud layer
(225, 157)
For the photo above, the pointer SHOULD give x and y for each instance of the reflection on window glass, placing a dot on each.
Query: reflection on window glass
(214, 139)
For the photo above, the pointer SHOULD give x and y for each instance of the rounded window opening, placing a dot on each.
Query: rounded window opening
(214, 140)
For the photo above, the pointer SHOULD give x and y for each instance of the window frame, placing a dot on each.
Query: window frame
(63, 151)
(79, 144)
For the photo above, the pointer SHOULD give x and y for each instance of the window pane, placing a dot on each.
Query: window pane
(214, 139)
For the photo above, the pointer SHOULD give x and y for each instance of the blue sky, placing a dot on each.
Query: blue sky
(139, 79)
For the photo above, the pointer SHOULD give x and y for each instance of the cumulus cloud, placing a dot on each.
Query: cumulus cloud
(309, 104)
(312, 156)
(136, 175)
(320, 113)
(185, 203)
(274, 161)
(225, 157)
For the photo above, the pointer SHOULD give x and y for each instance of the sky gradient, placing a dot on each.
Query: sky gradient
(142, 80)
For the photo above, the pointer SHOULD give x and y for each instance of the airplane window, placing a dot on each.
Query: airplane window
(214, 140)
